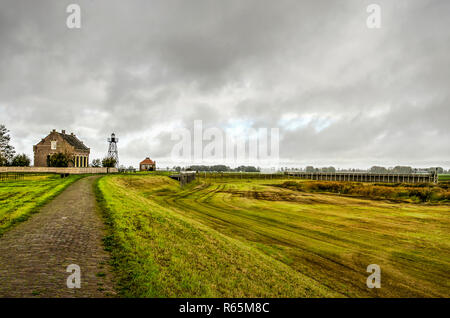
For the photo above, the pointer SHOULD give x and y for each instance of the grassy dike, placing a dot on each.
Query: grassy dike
(20, 199)
(157, 252)
(254, 238)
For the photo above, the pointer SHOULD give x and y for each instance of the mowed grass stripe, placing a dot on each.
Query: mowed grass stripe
(309, 248)
(263, 237)
(421, 261)
(161, 253)
(314, 234)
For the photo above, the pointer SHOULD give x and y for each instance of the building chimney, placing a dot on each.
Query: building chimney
(54, 130)
(63, 131)
(72, 134)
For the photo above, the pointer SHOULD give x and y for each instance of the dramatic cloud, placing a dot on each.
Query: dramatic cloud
(341, 94)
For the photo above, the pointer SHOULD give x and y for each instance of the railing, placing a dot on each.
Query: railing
(367, 177)
(6, 176)
(326, 176)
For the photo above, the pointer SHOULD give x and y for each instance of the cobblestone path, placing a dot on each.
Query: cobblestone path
(34, 255)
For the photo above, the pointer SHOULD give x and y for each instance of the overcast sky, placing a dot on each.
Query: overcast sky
(340, 93)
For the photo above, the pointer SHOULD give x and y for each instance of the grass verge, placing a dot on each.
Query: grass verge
(20, 199)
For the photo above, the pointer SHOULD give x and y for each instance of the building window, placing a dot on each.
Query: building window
(53, 144)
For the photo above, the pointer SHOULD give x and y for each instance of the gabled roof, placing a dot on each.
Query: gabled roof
(73, 141)
(147, 161)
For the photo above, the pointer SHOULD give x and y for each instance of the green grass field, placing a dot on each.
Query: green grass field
(250, 238)
(19, 199)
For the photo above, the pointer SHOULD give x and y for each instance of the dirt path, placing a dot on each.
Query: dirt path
(35, 254)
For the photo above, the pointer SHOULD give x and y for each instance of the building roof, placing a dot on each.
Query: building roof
(147, 161)
(74, 141)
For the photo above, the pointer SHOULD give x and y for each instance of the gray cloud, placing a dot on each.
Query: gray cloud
(341, 94)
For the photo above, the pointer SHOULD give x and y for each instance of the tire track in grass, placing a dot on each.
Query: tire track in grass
(206, 203)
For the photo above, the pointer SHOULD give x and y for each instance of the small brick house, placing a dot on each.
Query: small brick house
(57, 142)
(147, 165)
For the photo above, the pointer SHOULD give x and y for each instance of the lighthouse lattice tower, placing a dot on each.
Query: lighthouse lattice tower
(113, 152)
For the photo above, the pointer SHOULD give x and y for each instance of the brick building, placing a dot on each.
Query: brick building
(147, 165)
(57, 142)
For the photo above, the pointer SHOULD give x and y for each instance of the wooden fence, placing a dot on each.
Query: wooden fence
(6, 176)
(13, 176)
(88, 170)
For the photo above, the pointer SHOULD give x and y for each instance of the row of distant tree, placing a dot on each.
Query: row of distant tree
(217, 168)
(406, 169)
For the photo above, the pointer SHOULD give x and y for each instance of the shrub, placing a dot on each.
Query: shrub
(21, 161)
(421, 192)
(109, 162)
(59, 160)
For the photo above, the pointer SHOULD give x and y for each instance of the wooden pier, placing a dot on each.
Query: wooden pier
(367, 177)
